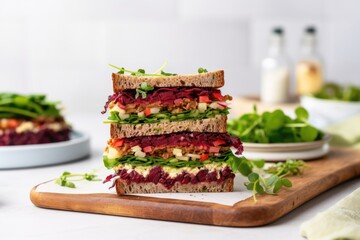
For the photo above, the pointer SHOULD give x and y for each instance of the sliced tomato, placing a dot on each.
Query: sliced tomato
(118, 143)
(147, 111)
(214, 149)
(217, 96)
(218, 142)
(13, 123)
(204, 156)
(204, 99)
(148, 149)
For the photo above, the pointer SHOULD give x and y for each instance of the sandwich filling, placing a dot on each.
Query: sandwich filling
(166, 104)
(183, 146)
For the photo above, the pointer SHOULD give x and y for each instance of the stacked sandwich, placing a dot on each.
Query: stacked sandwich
(168, 133)
(30, 119)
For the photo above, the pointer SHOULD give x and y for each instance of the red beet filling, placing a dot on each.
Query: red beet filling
(158, 176)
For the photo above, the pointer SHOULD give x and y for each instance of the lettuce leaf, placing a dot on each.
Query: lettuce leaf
(166, 116)
(225, 157)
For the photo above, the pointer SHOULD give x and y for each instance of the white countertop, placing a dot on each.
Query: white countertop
(20, 219)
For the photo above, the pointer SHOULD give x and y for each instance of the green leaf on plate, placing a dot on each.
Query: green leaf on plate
(308, 133)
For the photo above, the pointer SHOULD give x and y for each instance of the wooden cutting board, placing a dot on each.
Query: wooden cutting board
(320, 175)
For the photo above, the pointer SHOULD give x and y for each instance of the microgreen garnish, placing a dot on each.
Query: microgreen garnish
(202, 70)
(66, 179)
(273, 182)
(167, 74)
(142, 72)
(160, 70)
(28, 106)
(144, 88)
(269, 181)
(274, 127)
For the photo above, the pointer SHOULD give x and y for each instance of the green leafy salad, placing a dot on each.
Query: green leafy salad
(335, 91)
(274, 127)
(27, 106)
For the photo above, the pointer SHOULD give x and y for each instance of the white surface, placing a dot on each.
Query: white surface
(20, 219)
(283, 156)
(22, 156)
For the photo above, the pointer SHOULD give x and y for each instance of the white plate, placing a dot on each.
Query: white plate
(284, 151)
(283, 156)
(286, 147)
(23, 156)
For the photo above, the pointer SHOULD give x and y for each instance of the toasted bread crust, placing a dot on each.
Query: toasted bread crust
(213, 79)
(123, 188)
(217, 124)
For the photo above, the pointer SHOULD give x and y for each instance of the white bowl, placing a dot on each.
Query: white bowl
(324, 112)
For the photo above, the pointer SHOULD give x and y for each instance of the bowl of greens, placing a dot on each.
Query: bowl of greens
(333, 103)
(277, 136)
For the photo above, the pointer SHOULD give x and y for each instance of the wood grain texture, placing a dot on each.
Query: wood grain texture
(320, 175)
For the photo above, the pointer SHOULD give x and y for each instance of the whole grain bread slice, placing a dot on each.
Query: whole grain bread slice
(149, 187)
(213, 79)
(216, 124)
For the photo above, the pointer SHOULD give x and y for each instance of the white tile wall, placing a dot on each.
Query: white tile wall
(62, 47)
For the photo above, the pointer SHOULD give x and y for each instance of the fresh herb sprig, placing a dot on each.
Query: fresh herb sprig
(142, 72)
(27, 106)
(143, 89)
(67, 179)
(274, 127)
(202, 70)
(266, 181)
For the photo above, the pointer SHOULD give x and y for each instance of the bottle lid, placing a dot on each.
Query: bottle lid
(278, 31)
(310, 30)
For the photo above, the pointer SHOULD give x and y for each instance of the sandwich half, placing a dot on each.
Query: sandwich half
(168, 134)
(175, 162)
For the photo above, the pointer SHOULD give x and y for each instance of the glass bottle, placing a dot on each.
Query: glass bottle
(275, 74)
(309, 70)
